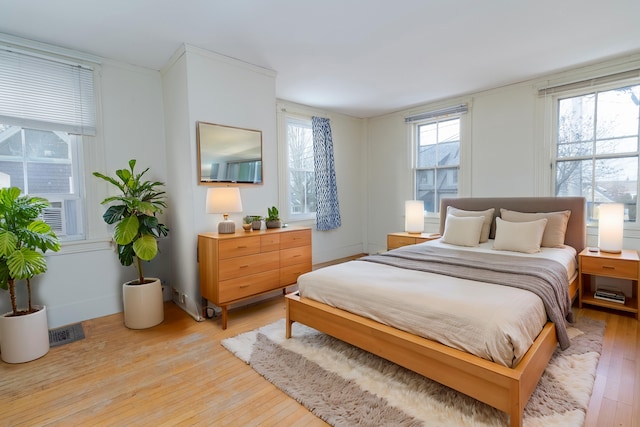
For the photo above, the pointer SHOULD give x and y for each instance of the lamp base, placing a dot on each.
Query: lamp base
(226, 227)
(611, 251)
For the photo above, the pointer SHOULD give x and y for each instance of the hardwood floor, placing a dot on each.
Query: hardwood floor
(177, 373)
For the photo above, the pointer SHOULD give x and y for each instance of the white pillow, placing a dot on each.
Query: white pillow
(555, 230)
(462, 231)
(487, 215)
(519, 236)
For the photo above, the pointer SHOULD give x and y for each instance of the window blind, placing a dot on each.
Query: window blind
(552, 90)
(458, 109)
(45, 93)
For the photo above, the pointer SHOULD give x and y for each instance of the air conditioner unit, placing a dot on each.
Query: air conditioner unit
(55, 217)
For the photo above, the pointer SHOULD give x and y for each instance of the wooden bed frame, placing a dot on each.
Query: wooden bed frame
(507, 389)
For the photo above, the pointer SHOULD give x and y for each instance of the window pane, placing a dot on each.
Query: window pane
(437, 161)
(576, 119)
(618, 112)
(302, 191)
(573, 178)
(616, 146)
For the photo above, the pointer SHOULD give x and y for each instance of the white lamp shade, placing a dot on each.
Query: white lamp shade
(223, 200)
(414, 216)
(610, 227)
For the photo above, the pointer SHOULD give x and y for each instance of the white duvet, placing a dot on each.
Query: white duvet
(497, 323)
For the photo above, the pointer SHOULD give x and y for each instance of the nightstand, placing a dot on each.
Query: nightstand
(396, 240)
(625, 265)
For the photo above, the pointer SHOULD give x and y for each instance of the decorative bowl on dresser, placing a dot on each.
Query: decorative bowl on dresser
(234, 267)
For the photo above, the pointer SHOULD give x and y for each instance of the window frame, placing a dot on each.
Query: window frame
(464, 165)
(283, 117)
(553, 108)
(90, 150)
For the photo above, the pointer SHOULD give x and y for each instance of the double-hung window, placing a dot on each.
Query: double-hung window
(437, 155)
(596, 146)
(300, 176)
(47, 107)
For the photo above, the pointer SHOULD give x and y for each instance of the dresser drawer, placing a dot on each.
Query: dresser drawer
(300, 255)
(610, 267)
(269, 243)
(242, 287)
(248, 265)
(232, 248)
(394, 242)
(294, 239)
(289, 274)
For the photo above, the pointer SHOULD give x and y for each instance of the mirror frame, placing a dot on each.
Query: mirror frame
(213, 138)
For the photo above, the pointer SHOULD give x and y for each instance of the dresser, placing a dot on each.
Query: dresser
(234, 267)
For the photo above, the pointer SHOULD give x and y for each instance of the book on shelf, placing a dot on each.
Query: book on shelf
(613, 295)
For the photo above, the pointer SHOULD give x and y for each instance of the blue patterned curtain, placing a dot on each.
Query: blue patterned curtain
(327, 207)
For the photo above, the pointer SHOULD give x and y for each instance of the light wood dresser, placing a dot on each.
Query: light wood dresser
(234, 267)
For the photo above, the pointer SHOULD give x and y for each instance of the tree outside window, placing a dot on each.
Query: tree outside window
(597, 149)
(301, 175)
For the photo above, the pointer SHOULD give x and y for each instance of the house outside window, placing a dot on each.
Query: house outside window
(301, 190)
(437, 160)
(45, 164)
(596, 147)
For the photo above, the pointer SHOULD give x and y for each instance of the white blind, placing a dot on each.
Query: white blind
(44, 93)
(443, 112)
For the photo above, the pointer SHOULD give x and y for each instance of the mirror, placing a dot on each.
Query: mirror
(228, 154)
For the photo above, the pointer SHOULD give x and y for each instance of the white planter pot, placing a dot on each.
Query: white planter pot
(143, 304)
(24, 338)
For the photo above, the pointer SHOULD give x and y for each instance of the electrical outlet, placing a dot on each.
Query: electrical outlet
(183, 298)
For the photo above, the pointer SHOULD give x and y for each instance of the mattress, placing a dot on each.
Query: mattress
(498, 323)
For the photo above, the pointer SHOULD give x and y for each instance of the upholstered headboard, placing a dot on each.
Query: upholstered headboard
(575, 236)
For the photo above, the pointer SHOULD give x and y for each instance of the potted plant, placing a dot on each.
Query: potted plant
(273, 220)
(246, 222)
(256, 222)
(136, 231)
(24, 238)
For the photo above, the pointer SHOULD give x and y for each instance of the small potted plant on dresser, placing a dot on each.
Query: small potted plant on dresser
(256, 222)
(136, 232)
(24, 238)
(273, 218)
(247, 223)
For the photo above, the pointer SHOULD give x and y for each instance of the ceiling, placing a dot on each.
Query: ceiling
(358, 57)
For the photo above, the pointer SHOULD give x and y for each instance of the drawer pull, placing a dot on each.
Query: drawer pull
(297, 256)
(244, 266)
(608, 267)
(242, 247)
(244, 286)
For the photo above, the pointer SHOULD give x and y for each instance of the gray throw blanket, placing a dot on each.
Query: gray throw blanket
(545, 278)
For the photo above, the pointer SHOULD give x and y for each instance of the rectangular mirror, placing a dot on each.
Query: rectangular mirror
(228, 154)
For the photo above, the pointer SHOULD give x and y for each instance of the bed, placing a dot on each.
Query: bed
(506, 388)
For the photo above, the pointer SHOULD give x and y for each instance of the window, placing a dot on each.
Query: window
(47, 107)
(596, 143)
(301, 194)
(437, 160)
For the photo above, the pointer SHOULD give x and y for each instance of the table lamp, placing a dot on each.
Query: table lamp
(224, 200)
(414, 216)
(610, 227)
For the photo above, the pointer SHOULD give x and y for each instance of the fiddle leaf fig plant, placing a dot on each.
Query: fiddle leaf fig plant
(136, 226)
(24, 238)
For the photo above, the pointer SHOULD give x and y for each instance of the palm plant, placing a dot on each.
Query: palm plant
(24, 238)
(137, 227)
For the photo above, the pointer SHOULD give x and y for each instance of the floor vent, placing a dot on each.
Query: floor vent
(65, 334)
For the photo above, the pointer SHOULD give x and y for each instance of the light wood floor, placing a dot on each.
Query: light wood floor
(177, 373)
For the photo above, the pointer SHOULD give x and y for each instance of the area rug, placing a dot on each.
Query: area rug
(346, 386)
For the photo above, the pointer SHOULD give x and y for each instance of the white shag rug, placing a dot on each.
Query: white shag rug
(346, 386)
